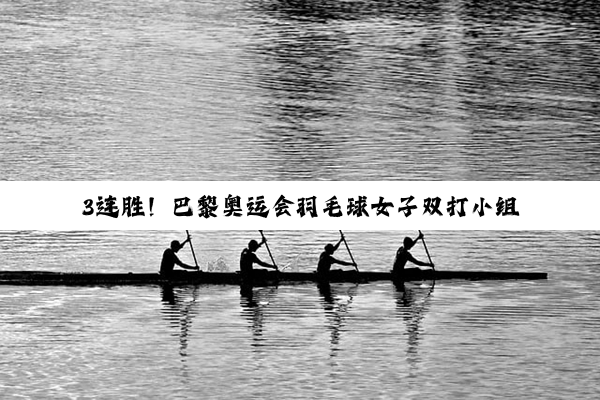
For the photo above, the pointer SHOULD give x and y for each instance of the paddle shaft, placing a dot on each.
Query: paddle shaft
(349, 252)
(268, 250)
(192, 247)
(426, 250)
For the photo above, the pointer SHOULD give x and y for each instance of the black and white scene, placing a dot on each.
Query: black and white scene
(300, 90)
(504, 315)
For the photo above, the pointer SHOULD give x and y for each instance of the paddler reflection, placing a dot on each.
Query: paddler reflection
(179, 308)
(254, 301)
(412, 303)
(336, 302)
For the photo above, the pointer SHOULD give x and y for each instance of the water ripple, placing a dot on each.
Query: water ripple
(354, 91)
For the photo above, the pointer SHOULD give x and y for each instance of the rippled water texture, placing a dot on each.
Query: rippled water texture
(455, 340)
(342, 90)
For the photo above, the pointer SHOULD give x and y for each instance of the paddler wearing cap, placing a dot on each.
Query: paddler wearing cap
(170, 259)
(326, 259)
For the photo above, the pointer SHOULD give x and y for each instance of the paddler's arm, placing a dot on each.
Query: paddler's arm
(264, 264)
(417, 262)
(263, 241)
(189, 238)
(419, 237)
(338, 243)
(336, 261)
(184, 265)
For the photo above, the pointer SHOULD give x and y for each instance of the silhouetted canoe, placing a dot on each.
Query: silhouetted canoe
(234, 278)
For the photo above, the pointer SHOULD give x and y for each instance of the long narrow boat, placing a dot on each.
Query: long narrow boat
(234, 278)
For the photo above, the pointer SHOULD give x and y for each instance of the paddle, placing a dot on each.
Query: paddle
(427, 251)
(192, 247)
(349, 252)
(269, 250)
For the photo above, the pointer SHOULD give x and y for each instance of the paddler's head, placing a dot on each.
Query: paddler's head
(253, 245)
(408, 243)
(329, 248)
(175, 246)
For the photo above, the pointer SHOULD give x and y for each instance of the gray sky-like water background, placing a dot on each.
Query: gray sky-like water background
(291, 90)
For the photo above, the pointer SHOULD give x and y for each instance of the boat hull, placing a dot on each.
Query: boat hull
(234, 278)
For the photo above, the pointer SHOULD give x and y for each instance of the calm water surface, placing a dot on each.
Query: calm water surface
(353, 90)
(458, 339)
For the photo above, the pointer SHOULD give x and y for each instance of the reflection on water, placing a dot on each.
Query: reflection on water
(515, 339)
(412, 302)
(282, 89)
(253, 301)
(179, 312)
(455, 340)
(336, 303)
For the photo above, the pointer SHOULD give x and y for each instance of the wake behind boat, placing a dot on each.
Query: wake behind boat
(235, 278)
